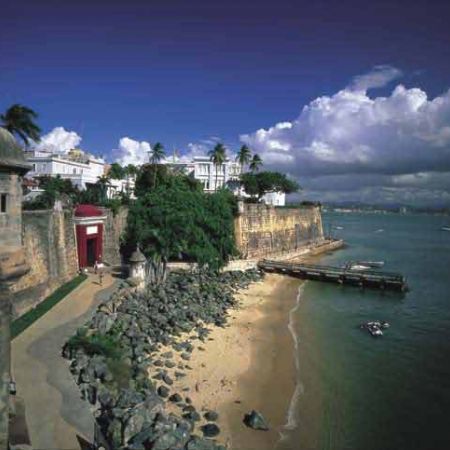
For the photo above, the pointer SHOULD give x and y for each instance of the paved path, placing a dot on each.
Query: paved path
(55, 413)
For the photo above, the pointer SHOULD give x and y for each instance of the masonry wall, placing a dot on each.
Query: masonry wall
(114, 227)
(10, 222)
(263, 230)
(50, 247)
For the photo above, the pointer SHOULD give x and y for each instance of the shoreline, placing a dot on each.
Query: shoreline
(246, 365)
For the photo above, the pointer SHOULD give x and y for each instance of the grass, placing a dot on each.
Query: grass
(22, 323)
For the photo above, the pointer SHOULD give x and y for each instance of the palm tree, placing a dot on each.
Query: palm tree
(19, 120)
(156, 156)
(243, 156)
(103, 182)
(217, 156)
(255, 163)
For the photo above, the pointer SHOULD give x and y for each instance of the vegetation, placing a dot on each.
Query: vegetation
(117, 172)
(255, 163)
(23, 322)
(217, 155)
(96, 344)
(258, 184)
(20, 121)
(178, 221)
(158, 154)
(243, 157)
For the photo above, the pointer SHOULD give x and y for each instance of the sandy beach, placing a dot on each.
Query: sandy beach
(246, 365)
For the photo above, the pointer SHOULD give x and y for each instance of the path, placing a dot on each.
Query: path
(55, 413)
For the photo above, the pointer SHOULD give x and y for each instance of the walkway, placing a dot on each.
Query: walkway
(55, 413)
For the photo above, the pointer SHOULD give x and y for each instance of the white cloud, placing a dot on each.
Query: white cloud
(131, 152)
(349, 134)
(59, 140)
(379, 76)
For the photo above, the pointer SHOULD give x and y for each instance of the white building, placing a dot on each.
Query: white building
(227, 174)
(81, 168)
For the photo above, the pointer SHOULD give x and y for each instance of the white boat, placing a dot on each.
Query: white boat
(371, 263)
(358, 266)
(338, 228)
(445, 228)
(380, 230)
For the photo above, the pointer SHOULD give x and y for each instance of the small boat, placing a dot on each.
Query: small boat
(338, 228)
(380, 230)
(445, 229)
(358, 266)
(375, 327)
(371, 263)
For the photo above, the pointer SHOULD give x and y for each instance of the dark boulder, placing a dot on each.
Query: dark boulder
(256, 421)
(210, 430)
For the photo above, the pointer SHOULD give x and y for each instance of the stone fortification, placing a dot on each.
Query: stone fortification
(263, 230)
(114, 227)
(50, 248)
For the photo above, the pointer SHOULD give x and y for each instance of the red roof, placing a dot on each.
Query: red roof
(87, 211)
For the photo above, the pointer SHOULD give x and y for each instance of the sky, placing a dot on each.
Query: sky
(351, 98)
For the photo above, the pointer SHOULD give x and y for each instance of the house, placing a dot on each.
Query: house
(228, 173)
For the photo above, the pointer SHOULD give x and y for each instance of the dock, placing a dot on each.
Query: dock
(373, 279)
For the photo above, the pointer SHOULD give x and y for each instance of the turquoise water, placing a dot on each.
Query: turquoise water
(359, 392)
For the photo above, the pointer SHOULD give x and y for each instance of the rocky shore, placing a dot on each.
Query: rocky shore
(128, 358)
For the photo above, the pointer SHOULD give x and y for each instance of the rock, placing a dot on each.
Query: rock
(167, 379)
(186, 356)
(163, 391)
(256, 421)
(170, 364)
(158, 363)
(211, 416)
(188, 400)
(193, 416)
(167, 355)
(210, 430)
(175, 398)
(197, 443)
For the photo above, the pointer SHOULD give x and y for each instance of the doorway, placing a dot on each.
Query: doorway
(91, 251)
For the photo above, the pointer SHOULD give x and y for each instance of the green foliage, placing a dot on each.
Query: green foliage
(243, 156)
(151, 176)
(255, 163)
(175, 222)
(218, 156)
(259, 184)
(117, 172)
(20, 120)
(24, 321)
(96, 344)
(158, 153)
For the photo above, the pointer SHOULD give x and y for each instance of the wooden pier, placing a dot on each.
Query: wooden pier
(363, 278)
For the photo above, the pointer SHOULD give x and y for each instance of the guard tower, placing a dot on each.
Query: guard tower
(12, 258)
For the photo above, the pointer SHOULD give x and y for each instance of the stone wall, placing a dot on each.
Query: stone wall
(115, 225)
(263, 230)
(10, 221)
(50, 247)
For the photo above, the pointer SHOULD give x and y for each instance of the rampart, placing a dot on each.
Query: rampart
(263, 230)
(50, 248)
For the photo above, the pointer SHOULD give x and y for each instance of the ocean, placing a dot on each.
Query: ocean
(359, 392)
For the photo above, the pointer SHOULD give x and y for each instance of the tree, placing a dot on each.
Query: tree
(259, 184)
(217, 155)
(165, 177)
(103, 182)
(157, 155)
(117, 172)
(176, 223)
(243, 157)
(255, 163)
(20, 120)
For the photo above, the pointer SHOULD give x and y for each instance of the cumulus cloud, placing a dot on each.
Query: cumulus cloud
(130, 151)
(401, 141)
(59, 140)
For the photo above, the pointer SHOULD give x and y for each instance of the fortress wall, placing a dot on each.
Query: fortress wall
(263, 230)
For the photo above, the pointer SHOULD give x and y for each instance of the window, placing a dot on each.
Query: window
(74, 171)
(34, 167)
(3, 203)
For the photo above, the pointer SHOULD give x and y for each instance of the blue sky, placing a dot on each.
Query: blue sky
(182, 72)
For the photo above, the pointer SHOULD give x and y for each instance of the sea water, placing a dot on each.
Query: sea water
(355, 391)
